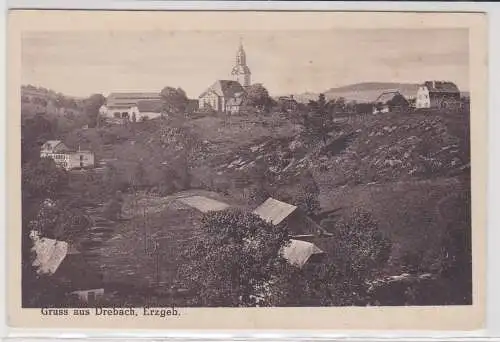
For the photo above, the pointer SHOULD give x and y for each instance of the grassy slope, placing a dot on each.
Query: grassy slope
(404, 205)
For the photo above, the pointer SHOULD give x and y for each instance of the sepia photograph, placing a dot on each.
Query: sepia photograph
(244, 167)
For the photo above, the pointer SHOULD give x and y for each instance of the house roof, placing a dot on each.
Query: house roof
(388, 95)
(129, 99)
(441, 87)
(204, 204)
(225, 88)
(120, 106)
(297, 252)
(150, 106)
(55, 146)
(49, 254)
(274, 211)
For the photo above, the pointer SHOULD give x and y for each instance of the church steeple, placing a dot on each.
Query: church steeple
(241, 72)
(241, 57)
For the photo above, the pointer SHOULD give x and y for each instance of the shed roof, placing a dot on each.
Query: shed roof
(298, 252)
(49, 254)
(274, 211)
(225, 88)
(204, 204)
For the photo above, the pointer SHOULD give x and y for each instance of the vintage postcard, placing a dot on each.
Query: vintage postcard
(246, 170)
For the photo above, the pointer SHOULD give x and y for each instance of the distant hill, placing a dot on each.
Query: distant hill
(363, 92)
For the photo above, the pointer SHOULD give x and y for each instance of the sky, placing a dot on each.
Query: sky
(83, 63)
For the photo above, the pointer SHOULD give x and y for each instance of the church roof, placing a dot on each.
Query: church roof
(54, 146)
(225, 88)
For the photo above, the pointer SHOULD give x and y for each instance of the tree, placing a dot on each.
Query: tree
(59, 220)
(91, 108)
(232, 261)
(174, 100)
(257, 96)
(360, 249)
(34, 132)
(302, 191)
(319, 122)
(43, 179)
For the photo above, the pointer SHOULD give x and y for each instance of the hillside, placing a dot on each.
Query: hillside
(406, 170)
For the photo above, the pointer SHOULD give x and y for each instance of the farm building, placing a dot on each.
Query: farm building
(222, 96)
(298, 224)
(437, 95)
(66, 265)
(390, 101)
(65, 157)
(300, 253)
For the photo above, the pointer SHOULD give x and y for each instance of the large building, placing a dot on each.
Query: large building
(65, 157)
(132, 105)
(226, 96)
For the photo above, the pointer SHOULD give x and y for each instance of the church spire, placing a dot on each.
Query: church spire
(241, 55)
(241, 72)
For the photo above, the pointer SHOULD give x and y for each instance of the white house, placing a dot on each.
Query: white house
(65, 157)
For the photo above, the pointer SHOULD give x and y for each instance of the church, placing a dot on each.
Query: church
(227, 96)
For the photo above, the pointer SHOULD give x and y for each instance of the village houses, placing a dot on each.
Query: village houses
(65, 157)
(429, 95)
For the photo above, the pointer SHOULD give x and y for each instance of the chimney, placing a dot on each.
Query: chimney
(433, 84)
